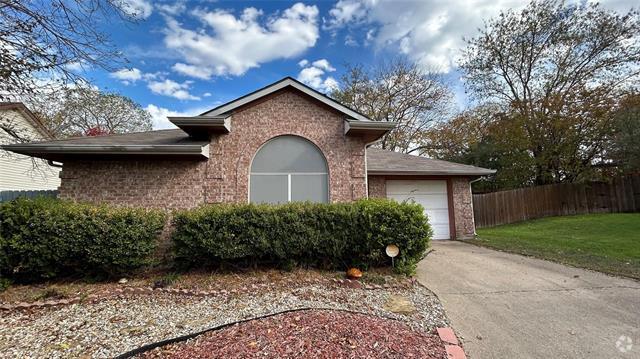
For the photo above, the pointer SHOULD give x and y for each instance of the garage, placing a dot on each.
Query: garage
(431, 194)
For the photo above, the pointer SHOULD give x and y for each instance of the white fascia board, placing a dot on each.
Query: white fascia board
(278, 86)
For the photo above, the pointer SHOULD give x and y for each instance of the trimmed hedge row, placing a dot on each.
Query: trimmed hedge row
(307, 234)
(43, 238)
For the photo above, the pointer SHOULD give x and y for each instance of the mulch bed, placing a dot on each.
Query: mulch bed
(310, 333)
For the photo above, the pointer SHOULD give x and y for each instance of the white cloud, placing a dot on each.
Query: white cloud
(141, 9)
(159, 115)
(349, 40)
(206, 94)
(303, 63)
(172, 89)
(176, 8)
(323, 64)
(78, 66)
(429, 32)
(127, 76)
(198, 72)
(313, 73)
(229, 44)
(347, 12)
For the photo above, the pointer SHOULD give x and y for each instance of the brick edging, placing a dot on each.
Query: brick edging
(93, 298)
(451, 343)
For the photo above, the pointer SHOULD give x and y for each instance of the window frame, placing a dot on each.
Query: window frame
(289, 174)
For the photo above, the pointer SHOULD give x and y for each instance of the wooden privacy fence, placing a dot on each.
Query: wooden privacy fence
(622, 194)
(9, 195)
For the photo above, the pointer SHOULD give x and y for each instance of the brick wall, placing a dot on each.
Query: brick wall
(463, 205)
(151, 184)
(284, 113)
(377, 186)
(224, 177)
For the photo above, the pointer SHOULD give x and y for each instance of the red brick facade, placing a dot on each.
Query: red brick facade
(377, 186)
(224, 177)
(463, 207)
(151, 184)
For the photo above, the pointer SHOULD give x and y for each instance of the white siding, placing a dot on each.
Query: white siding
(17, 172)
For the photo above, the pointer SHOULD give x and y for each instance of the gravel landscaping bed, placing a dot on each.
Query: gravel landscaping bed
(309, 333)
(118, 324)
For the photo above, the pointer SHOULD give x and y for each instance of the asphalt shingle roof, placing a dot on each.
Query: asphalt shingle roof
(379, 161)
(389, 162)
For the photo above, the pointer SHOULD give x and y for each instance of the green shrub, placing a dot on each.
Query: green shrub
(44, 238)
(319, 235)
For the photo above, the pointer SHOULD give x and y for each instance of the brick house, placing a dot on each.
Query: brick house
(284, 142)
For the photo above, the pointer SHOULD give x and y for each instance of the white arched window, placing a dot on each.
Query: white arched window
(286, 169)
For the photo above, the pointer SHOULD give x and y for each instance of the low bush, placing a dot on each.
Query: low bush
(318, 235)
(44, 238)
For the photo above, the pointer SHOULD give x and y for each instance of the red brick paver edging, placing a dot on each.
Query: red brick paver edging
(454, 350)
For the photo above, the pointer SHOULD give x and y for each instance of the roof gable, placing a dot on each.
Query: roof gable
(286, 82)
(28, 116)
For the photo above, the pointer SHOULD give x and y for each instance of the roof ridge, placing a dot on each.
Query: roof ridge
(323, 96)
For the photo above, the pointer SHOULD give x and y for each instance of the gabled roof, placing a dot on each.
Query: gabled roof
(32, 119)
(279, 85)
(384, 162)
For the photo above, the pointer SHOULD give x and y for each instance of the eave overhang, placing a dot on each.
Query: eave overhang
(430, 173)
(370, 130)
(203, 126)
(62, 151)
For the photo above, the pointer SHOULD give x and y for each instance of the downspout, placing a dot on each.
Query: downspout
(366, 168)
(472, 210)
(53, 164)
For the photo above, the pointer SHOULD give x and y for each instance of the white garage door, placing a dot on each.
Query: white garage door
(432, 195)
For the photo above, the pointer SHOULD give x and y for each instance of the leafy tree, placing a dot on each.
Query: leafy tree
(90, 112)
(625, 150)
(557, 70)
(396, 91)
(485, 137)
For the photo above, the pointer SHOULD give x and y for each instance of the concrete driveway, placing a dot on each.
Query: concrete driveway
(510, 306)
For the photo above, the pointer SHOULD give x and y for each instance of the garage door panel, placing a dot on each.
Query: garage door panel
(426, 200)
(431, 194)
(416, 187)
(440, 231)
(438, 216)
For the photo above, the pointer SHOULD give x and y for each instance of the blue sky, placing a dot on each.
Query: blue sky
(189, 56)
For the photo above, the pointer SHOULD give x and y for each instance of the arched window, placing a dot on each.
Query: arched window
(286, 169)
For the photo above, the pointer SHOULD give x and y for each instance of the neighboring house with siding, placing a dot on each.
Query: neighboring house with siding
(284, 142)
(17, 172)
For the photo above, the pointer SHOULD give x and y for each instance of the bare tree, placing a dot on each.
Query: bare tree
(400, 92)
(44, 43)
(559, 69)
(88, 112)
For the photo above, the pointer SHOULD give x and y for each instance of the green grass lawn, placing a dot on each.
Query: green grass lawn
(608, 243)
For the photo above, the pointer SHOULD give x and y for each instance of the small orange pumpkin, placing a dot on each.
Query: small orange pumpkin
(354, 273)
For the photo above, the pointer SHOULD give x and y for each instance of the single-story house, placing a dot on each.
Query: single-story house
(284, 142)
